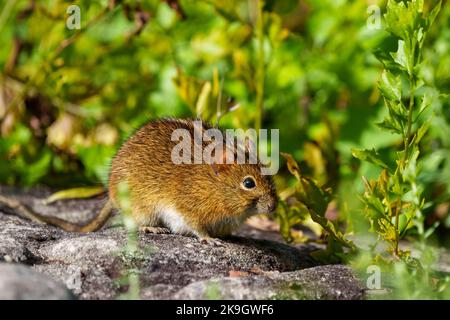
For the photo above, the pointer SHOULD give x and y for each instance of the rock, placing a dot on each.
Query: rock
(21, 282)
(99, 265)
(322, 282)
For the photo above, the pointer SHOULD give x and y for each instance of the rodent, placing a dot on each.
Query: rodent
(202, 200)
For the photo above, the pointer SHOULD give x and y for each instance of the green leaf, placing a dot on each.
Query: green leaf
(397, 180)
(405, 222)
(410, 170)
(419, 5)
(331, 229)
(375, 204)
(312, 195)
(316, 201)
(403, 56)
(426, 102)
(433, 13)
(397, 117)
(370, 156)
(390, 125)
(386, 59)
(398, 18)
(431, 229)
(390, 86)
(420, 36)
(421, 132)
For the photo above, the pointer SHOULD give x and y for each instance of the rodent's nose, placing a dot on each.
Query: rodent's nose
(267, 205)
(272, 206)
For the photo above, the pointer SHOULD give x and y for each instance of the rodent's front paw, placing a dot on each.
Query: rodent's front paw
(155, 230)
(212, 241)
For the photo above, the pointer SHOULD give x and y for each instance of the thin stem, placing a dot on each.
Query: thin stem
(6, 12)
(406, 147)
(219, 102)
(410, 112)
(397, 232)
(410, 120)
(260, 68)
(397, 236)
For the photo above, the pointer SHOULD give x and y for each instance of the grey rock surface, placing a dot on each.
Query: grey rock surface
(97, 265)
(322, 282)
(19, 282)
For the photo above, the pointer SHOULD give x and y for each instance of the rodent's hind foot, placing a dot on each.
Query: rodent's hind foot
(211, 241)
(154, 230)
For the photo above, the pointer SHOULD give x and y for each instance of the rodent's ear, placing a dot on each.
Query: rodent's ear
(219, 163)
(217, 168)
(249, 145)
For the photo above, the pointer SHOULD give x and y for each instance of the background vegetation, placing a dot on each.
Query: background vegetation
(314, 69)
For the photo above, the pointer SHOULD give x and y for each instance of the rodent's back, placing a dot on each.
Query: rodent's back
(144, 160)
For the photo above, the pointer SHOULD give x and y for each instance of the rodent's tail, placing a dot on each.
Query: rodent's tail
(90, 226)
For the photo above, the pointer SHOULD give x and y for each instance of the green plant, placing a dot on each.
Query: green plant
(131, 249)
(311, 199)
(394, 202)
(408, 278)
(212, 291)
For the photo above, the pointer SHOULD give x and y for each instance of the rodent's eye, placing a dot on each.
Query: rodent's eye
(249, 183)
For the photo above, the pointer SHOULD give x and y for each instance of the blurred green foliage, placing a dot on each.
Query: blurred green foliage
(308, 67)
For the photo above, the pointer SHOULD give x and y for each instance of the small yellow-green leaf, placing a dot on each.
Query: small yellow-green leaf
(291, 164)
(404, 223)
(203, 98)
(75, 193)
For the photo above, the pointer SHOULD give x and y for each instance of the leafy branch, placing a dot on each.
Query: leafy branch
(394, 201)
